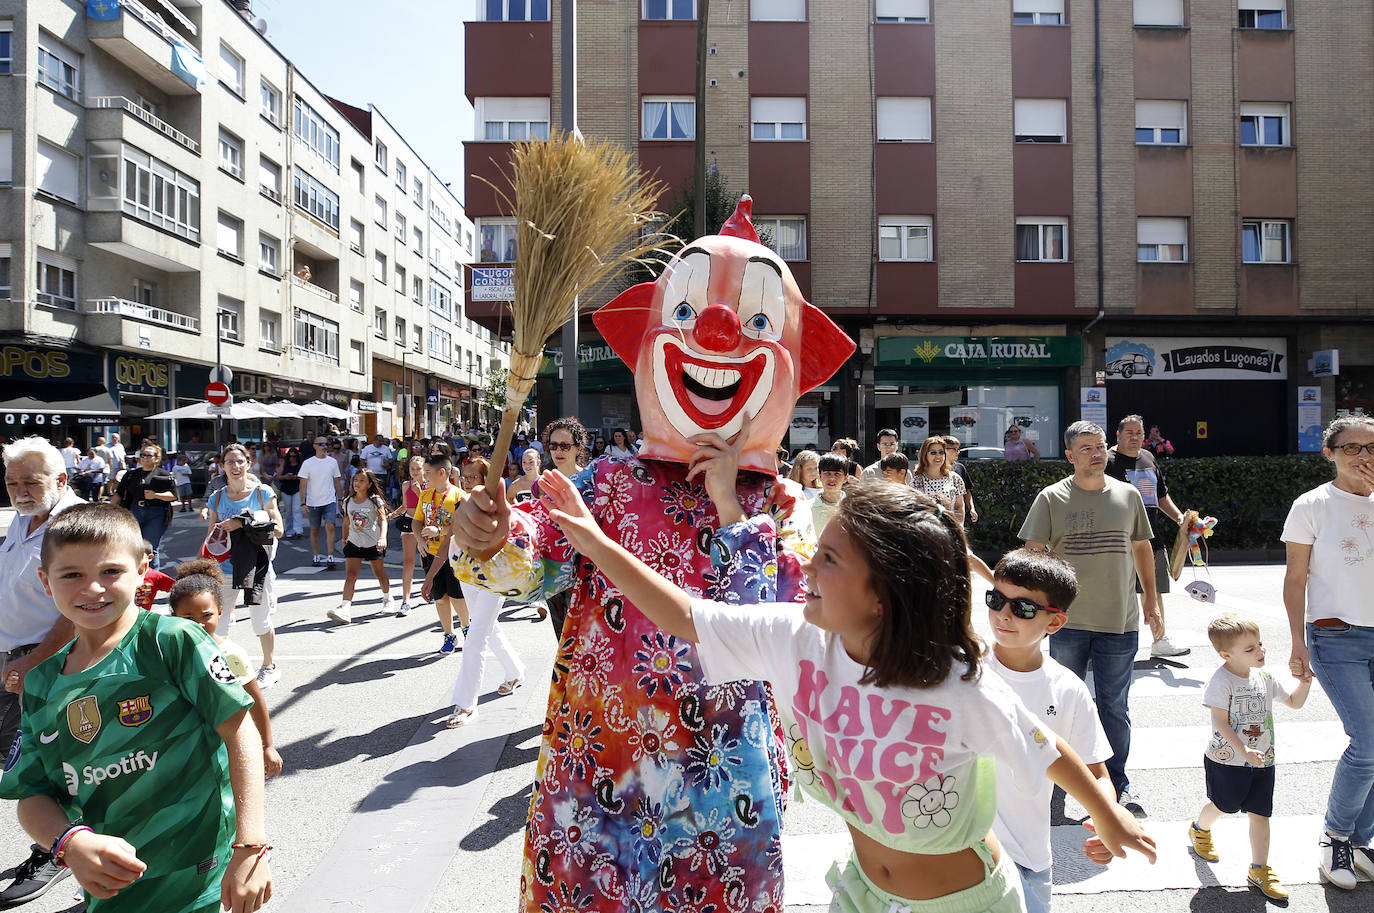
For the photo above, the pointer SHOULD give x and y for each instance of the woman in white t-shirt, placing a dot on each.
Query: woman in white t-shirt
(933, 476)
(620, 444)
(1329, 536)
(890, 719)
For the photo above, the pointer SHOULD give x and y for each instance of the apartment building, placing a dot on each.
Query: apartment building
(180, 195)
(1022, 210)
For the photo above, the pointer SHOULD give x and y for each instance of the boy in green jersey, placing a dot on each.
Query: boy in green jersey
(136, 760)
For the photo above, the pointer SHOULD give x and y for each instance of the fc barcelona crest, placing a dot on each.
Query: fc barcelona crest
(135, 712)
(83, 719)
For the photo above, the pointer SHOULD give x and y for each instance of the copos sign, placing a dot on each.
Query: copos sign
(493, 283)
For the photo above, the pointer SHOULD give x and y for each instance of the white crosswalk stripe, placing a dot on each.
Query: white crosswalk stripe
(1166, 753)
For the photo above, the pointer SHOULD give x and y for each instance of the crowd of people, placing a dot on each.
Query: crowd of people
(883, 705)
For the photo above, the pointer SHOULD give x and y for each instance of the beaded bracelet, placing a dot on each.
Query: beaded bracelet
(60, 844)
(262, 848)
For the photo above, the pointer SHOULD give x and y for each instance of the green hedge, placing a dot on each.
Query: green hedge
(1249, 496)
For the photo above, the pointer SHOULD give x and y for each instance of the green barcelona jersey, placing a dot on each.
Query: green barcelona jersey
(129, 748)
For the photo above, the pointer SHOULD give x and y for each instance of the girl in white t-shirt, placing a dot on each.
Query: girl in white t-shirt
(890, 720)
(364, 539)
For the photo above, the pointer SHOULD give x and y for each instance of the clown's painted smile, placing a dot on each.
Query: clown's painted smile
(701, 394)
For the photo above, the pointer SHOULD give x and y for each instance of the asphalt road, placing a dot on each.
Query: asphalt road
(382, 809)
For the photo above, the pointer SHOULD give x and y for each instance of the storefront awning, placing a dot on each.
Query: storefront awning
(92, 409)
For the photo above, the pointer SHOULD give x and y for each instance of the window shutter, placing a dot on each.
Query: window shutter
(57, 172)
(1161, 231)
(1038, 6)
(888, 9)
(904, 119)
(1040, 117)
(1158, 12)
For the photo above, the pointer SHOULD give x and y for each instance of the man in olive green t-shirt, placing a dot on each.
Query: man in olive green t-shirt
(1099, 525)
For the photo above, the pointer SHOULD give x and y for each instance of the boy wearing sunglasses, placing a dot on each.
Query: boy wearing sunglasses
(1029, 601)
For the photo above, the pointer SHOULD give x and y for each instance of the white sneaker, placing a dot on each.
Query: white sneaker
(1364, 861)
(331, 561)
(1166, 647)
(404, 609)
(317, 560)
(268, 676)
(1335, 862)
(386, 602)
(342, 614)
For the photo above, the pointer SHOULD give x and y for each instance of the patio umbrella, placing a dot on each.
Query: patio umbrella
(286, 409)
(245, 411)
(324, 409)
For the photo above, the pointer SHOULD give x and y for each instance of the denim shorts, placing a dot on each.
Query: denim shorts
(322, 515)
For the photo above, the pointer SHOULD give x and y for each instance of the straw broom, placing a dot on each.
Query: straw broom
(579, 210)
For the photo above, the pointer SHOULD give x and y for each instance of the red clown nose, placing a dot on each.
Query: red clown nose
(717, 329)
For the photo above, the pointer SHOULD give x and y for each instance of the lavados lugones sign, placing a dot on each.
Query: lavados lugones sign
(979, 351)
(1183, 358)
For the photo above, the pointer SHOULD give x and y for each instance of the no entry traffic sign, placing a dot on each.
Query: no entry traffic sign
(217, 394)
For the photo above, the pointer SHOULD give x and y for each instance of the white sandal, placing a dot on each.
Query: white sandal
(460, 718)
(508, 688)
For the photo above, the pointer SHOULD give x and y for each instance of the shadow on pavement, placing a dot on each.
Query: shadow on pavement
(507, 817)
(400, 784)
(317, 752)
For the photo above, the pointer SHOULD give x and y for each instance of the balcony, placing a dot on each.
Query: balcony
(315, 289)
(152, 120)
(141, 312)
(311, 355)
(146, 44)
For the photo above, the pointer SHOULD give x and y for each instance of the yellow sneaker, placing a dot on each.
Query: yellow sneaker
(1263, 877)
(1202, 843)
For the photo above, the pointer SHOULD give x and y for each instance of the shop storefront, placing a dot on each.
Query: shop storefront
(144, 387)
(54, 393)
(1210, 396)
(606, 388)
(975, 387)
(452, 407)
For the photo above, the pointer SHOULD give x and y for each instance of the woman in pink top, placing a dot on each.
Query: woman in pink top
(1016, 447)
(402, 516)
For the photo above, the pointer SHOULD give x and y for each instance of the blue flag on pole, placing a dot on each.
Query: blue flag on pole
(104, 10)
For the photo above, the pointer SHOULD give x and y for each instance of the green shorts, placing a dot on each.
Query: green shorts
(999, 892)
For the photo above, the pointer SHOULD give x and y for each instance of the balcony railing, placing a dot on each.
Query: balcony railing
(143, 312)
(312, 355)
(310, 286)
(152, 120)
(153, 21)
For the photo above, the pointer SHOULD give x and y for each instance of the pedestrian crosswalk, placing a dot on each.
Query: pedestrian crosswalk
(1166, 759)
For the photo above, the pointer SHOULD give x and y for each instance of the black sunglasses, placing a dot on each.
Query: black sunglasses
(561, 445)
(1023, 609)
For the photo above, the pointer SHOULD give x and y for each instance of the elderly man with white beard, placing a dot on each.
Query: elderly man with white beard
(31, 628)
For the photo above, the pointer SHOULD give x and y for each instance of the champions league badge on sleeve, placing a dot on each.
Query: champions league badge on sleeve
(220, 671)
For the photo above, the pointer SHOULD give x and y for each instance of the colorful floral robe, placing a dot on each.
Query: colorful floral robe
(653, 791)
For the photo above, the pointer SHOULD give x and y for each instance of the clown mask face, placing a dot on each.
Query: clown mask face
(722, 334)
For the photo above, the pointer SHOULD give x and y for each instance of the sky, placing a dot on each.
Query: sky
(405, 57)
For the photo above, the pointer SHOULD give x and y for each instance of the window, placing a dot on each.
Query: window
(668, 118)
(6, 157)
(400, 278)
(230, 312)
(904, 120)
(514, 10)
(401, 176)
(1261, 14)
(512, 119)
(357, 352)
(229, 238)
(379, 323)
(6, 50)
(379, 267)
(269, 179)
(231, 69)
(1158, 12)
(1040, 120)
(440, 344)
(355, 236)
(1040, 238)
(1264, 241)
(1037, 12)
(231, 153)
(316, 337)
(440, 300)
(417, 289)
(400, 335)
(269, 253)
(270, 107)
(355, 295)
(381, 156)
(670, 9)
(379, 211)
(358, 172)
(58, 68)
(904, 238)
(777, 10)
(777, 118)
(1161, 123)
(903, 11)
(1264, 124)
(159, 194)
(419, 192)
(145, 292)
(56, 280)
(787, 235)
(1161, 240)
(314, 132)
(269, 330)
(417, 338)
(401, 227)
(498, 240)
(59, 172)
(417, 240)
(316, 199)
(6, 290)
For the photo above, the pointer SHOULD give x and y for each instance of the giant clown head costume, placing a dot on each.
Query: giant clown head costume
(722, 334)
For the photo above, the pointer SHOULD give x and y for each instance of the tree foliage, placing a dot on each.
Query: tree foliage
(681, 224)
